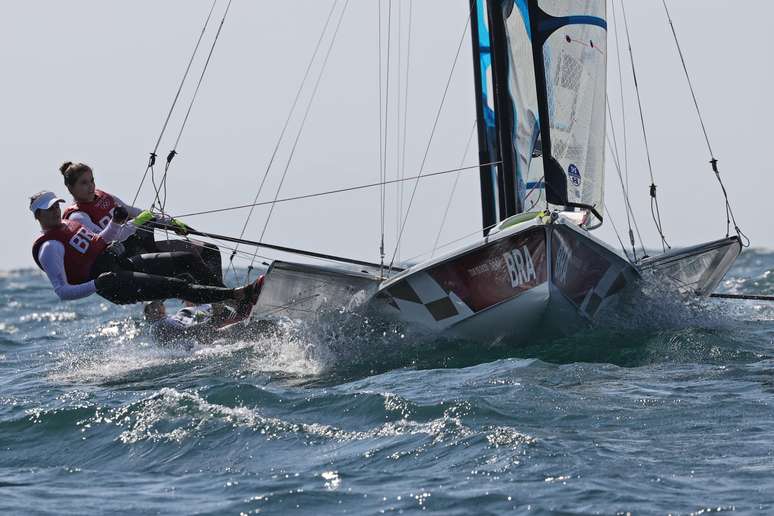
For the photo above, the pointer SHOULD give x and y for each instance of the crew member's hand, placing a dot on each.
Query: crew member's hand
(120, 215)
(179, 227)
(143, 217)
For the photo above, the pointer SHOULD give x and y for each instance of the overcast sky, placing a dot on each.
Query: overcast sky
(92, 80)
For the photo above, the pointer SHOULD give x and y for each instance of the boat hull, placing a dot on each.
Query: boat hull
(549, 276)
(694, 270)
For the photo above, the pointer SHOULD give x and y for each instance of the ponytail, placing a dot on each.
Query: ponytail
(73, 171)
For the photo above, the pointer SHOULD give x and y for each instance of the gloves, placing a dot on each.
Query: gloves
(120, 215)
(179, 227)
(143, 217)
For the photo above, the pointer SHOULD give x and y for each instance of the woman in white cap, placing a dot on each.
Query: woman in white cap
(79, 262)
(93, 208)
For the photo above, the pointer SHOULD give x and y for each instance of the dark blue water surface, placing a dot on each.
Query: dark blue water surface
(668, 410)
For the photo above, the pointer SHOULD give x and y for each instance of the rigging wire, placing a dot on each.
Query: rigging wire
(397, 116)
(173, 152)
(713, 161)
(287, 121)
(629, 214)
(617, 163)
(336, 191)
(223, 248)
(386, 127)
(303, 123)
(476, 233)
(454, 188)
(152, 158)
(381, 115)
(654, 207)
(623, 103)
(405, 119)
(430, 141)
(617, 235)
(624, 187)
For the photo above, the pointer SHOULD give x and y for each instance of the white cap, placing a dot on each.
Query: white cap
(43, 200)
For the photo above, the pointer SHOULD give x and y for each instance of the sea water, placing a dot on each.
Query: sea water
(669, 409)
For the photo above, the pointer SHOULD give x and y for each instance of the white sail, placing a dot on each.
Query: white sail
(576, 62)
(521, 85)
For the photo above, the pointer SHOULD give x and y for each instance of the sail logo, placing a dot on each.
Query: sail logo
(574, 174)
(521, 269)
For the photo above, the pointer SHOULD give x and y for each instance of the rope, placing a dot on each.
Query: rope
(303, 124)
(430, 141)
(287, 123)
(654, 208)
(173, 152)
(713, 161)
(336, 191)
(405, 119)
(454, 188)
(152, 159)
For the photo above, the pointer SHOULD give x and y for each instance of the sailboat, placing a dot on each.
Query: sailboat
(540, 77)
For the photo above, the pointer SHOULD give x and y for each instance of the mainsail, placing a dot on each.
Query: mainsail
(546, 61)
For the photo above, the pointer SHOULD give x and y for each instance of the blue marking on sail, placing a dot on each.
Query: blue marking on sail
(487, 93)
(549, 25)
(524, 10)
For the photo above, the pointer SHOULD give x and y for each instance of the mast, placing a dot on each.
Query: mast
(485, 122)
(510, 202)
(495, 114)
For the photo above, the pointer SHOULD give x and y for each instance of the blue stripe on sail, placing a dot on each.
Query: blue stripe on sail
(484, 63)
(549, 25)
(483, 30)
(521, 5)
(536, 184)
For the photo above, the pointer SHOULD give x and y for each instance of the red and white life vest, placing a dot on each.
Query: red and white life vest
(82, 247)
(100, 210)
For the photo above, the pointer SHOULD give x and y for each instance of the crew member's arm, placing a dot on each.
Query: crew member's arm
(51, 257)
(85, 220)
(110, 233)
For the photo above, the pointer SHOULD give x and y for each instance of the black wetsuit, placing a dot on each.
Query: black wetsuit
(155, 276)
(143, 242)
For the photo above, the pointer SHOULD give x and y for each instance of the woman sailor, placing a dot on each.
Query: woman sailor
(79, 262)
(93, 209)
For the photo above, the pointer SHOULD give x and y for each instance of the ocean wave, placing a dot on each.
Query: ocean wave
(49, 317)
